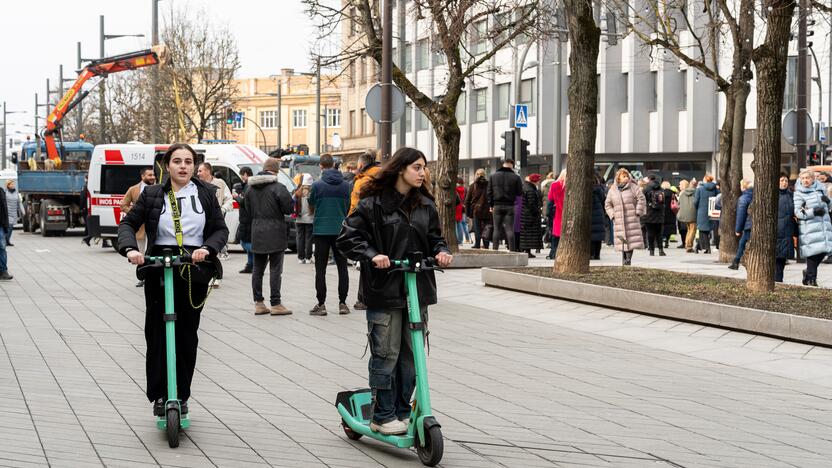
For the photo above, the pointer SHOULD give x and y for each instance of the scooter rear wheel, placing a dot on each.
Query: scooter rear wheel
(431, 453)
(352, 435)
(173, 427)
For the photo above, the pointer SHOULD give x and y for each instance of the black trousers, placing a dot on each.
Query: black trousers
(704, 240)
(779, 268)
(683, 231)
(479, 226)
(187, 324)
(323, 245)
(303, 237)
(812, 264)
(595, 250)
(654, 236)
(503, 226)
(275, 261)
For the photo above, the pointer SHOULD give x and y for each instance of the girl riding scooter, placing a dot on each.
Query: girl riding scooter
(200, 232)
(396, 216)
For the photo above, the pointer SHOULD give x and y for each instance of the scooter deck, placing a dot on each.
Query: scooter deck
(184, 422)
(354, 408)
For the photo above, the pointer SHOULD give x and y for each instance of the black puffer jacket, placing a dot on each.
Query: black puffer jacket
(4, 214)
(382, 224)
(148, 208)
(786, 225)
(655, 208)
(262, 214)
(597, 230)
(504, 187)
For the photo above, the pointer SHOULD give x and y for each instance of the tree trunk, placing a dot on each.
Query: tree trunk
(447, 166)
(770, 61)
(584, 36)
(731, 174)
(727, 242)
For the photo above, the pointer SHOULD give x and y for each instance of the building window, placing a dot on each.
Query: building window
(352, 124)
(503, 101)
(299, 118)
(653, 105)
(502, 21)
(790, 93)
(422, 122)
(527, 93)
(408, 116)
(352, 76)
(333, 118)
(363, 124)
(480, 105)
(241, 123)
(408, 58)
(461, 108)
(683, 76)
(478, 36)
(268, 119)
(422, 54)
(362, 70)
(352, 17)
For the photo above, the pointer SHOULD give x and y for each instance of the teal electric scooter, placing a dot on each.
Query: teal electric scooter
(355, 406)
(173, 420)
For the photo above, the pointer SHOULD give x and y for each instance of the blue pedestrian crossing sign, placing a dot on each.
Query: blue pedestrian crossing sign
(521, 116)
(238, 118)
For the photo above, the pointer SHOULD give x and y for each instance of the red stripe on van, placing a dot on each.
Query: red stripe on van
(113, 157)
(249, 154)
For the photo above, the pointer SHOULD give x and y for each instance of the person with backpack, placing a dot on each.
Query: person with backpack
(671, 206)
(653, 219)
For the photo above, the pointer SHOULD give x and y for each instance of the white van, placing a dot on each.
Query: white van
(115, 168)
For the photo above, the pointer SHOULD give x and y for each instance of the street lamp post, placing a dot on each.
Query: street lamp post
(154, 76)
(6, 111)
(101, 110)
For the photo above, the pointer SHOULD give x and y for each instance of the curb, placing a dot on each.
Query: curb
(489, 260)
(787, 326)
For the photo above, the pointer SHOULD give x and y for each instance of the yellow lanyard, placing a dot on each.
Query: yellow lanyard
(177, 221)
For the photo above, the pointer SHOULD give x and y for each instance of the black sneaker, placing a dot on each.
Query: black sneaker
(5, 276)
(343, 308)
(159, 407)
(246, 269)
(184, 406)
(359, 305)
(140, 284)
(9, 244)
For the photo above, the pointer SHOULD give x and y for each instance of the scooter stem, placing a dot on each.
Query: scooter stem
(417, 335)
(170, 334)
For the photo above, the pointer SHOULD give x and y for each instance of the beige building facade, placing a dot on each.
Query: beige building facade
(296, 119)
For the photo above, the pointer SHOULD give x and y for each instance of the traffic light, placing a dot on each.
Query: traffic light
(508, 146)
(812, 156)
(229, 116)
(524, 153)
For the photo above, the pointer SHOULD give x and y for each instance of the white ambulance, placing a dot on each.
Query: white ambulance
(115, 168)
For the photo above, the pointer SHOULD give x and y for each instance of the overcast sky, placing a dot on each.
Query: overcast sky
(38, 35)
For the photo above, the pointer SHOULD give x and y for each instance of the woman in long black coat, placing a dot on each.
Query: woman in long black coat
(531, 234)
(669, 214)
(786, 229)
(597, 231)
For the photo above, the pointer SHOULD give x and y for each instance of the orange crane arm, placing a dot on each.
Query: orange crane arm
(102, 67)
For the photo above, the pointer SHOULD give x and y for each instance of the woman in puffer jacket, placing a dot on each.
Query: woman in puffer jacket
(626, 205)
(811, 208)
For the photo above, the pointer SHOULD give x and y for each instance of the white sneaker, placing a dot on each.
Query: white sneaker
(301, 261)
(406, 422)
(389, 428)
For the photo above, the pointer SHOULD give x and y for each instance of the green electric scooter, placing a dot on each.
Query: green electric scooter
(173, 420)
(355, 406)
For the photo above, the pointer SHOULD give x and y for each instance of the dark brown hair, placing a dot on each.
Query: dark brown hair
(177, 146)
(387, 177)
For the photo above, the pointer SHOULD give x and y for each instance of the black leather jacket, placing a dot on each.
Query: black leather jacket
(381, 224)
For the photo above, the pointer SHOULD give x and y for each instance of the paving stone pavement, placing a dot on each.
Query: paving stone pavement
(516, 380)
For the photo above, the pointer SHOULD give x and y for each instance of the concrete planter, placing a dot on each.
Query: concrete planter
(474, 259)
(792, 327)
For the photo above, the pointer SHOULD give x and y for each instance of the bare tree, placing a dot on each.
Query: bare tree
(693, 33)
(467, 49)
(198, 85)
(584, 39)
(770, 61)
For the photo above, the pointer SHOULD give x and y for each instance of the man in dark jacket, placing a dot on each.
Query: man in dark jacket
(244, 232)
(267, 202)
(743, 224)
(653, 220)
(504, 186)
(330, 197)
(4, 226)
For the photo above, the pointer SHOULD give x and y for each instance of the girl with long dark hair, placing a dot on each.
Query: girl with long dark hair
(201, 232)
(396, 215)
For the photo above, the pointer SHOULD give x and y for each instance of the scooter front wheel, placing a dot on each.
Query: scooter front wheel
(431, 453)
(352, 435)
(173, 427)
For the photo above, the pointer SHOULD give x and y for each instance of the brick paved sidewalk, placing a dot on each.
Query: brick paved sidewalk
(517, 380)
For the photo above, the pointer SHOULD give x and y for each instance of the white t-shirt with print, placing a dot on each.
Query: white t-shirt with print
(191, 214)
